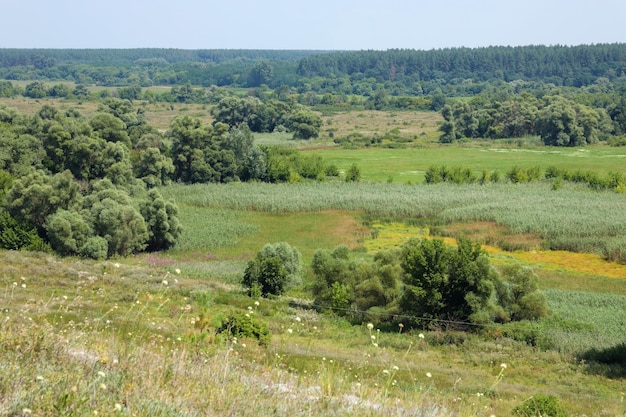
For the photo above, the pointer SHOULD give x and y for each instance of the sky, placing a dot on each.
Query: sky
(310, 25)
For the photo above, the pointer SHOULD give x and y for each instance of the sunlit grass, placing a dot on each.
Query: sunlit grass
(79, 335)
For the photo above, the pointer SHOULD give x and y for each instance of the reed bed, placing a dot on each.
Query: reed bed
(572, 218)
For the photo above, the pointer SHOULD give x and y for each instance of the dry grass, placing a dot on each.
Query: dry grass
(118, 337)
(390, 235)
(374, 123)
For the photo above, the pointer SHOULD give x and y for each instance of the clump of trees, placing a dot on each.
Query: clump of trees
(70, 184)
(426, 283)
(270, 116)
(612, 180)
(273, 270)
(557, 120)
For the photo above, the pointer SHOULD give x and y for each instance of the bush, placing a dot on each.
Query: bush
(353, 174)
(240, 325)
(275, 268)
(540, 405)
(95, 247)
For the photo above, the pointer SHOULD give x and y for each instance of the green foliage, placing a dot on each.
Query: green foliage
(243, 326)
(68, 232)
(198, 151)
(274, 269)
(540, 405)
(154, 168)
(353, 174)
(455, 175)
(305, 124)
(36, 196)
(519, 295)
(261, 73)
(357, 289)
(289, 165)
(16, 234)
(459, 284)
(161, 219)
(111, 214)
(36, 89)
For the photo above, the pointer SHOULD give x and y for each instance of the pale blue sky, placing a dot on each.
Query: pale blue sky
(321, 24)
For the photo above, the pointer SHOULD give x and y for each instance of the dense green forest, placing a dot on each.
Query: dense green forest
(351, 72)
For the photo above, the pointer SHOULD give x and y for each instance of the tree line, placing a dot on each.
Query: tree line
(557, 119)
(451, 71)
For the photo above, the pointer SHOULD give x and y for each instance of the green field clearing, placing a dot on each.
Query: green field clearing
(409, 165)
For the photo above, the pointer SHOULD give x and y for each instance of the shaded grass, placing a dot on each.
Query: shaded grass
(586, 320)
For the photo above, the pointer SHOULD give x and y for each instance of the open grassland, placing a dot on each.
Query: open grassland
(409, 165)
(133, 337)
(410, 127)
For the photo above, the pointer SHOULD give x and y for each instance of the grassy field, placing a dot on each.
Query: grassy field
(409, 165)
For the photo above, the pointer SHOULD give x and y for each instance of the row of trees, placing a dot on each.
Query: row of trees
(398, 69)
(426, 283)
(558, 120)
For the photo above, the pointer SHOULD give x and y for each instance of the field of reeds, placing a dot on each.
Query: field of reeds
(572, 218)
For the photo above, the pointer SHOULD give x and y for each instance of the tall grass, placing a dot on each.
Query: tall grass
(571, 218)
(583, 322)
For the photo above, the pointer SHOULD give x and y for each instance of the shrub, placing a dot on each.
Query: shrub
(95, 247)
(275, 268)
(353, 174)
(240, 325)
(540, 405)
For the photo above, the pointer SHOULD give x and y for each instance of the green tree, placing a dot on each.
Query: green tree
(519, 294)
(154, 168)
(275, 268)
(111, 213)
(426, 264)
(161, 219)
(34, 197)
(68, 232)
(443, 283)
(353, 174)
(198, 152)
(448, 126)
(59, 90)
(19, 154)
(110, 128)
(36, 89)
(305, 124)
(261, 73)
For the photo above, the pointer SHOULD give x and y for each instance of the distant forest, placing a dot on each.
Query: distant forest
(453, 71)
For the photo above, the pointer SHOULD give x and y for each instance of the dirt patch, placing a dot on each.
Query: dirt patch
(490, 233)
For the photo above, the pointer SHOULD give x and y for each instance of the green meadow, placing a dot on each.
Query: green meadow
(410, 164)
